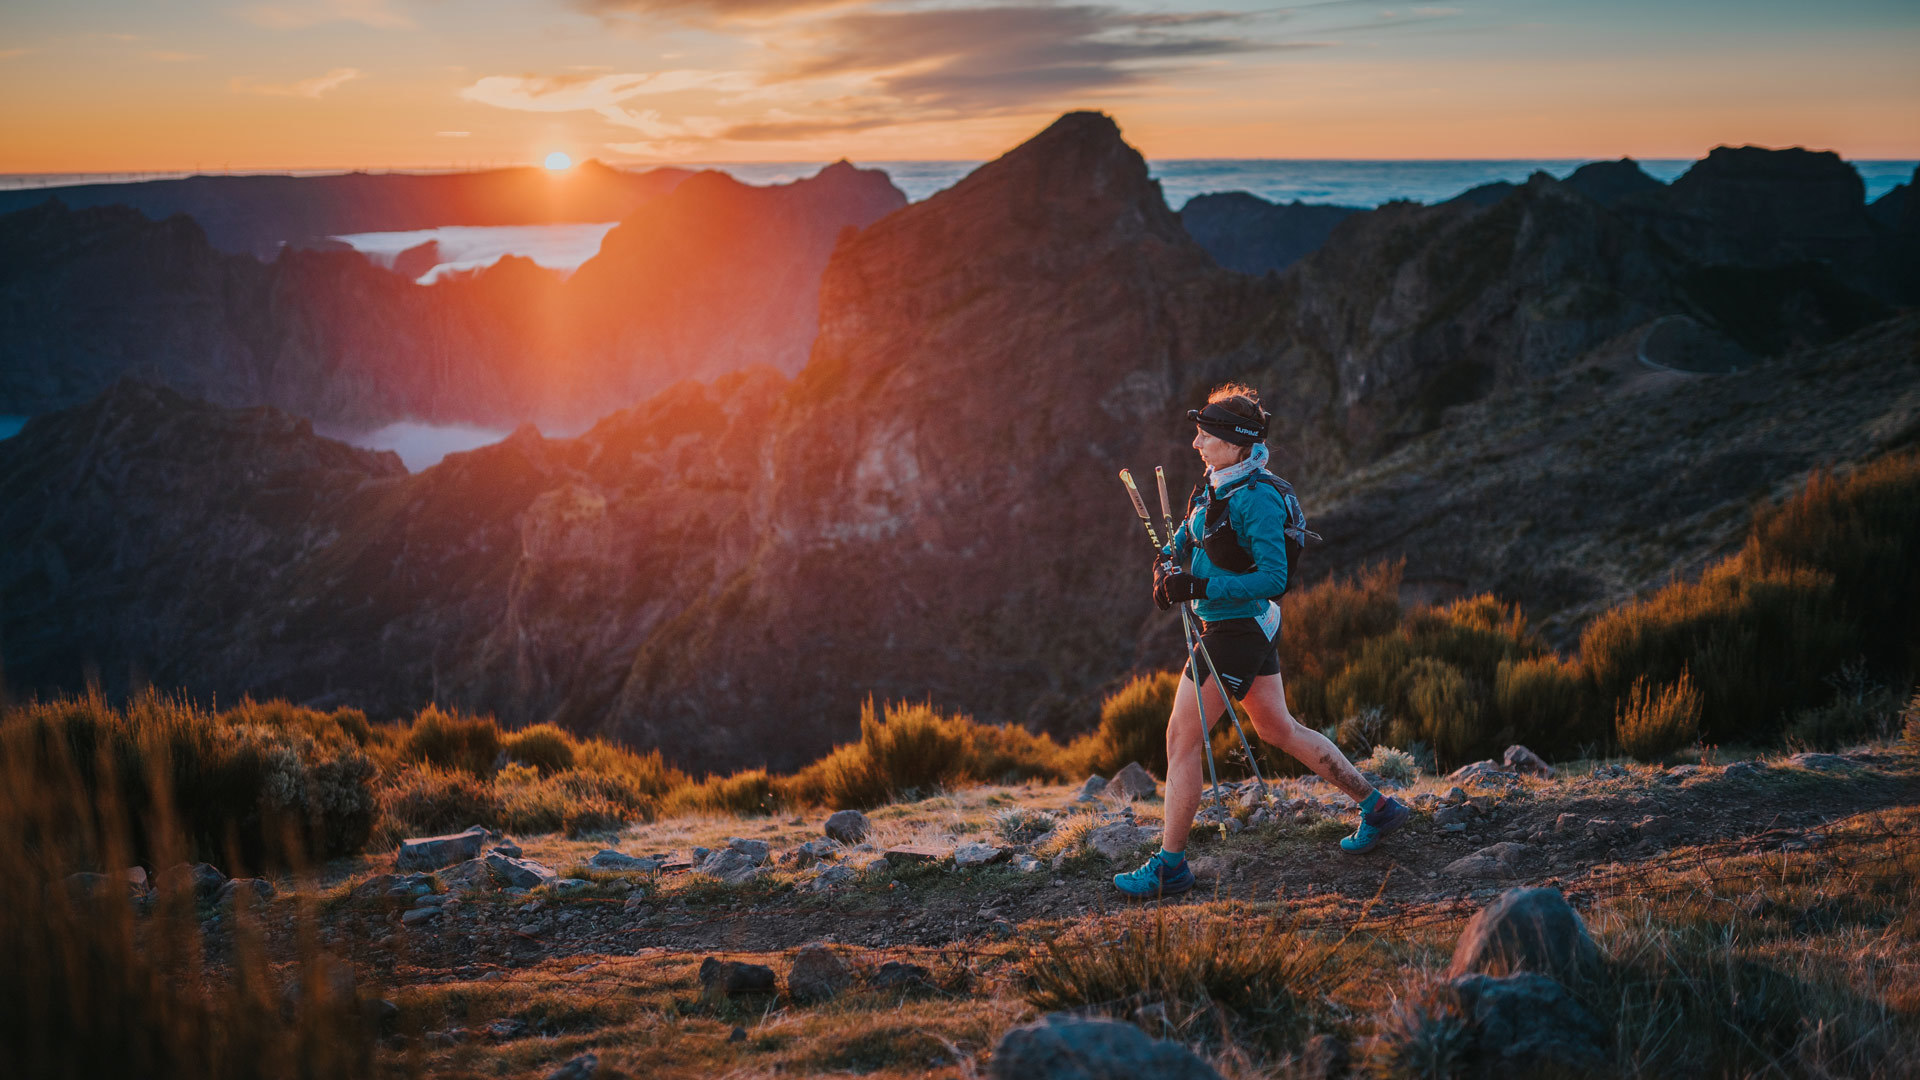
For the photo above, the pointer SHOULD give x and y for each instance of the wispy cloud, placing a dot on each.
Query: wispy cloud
(707, 11)
(315, 87)
(169, 56)
(608, 95)
(300, 14)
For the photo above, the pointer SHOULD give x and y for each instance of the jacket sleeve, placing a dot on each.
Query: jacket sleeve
(1260, 521)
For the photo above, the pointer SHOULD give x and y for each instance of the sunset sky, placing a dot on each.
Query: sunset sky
(112, 85)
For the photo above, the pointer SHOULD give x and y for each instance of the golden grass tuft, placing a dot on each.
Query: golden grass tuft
(1656, 721)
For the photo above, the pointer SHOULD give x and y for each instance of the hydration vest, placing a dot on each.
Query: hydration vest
(1223, 546)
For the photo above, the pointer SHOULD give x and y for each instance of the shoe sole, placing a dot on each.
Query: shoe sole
(1158, 894)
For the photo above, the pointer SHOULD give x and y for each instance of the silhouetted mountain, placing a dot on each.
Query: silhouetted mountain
(1247, 233)
(257, 215)
(928, 509)
(1608, 182)
(707, 279)
(1485, 195)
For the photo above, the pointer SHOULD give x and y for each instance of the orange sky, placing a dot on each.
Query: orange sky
(114, 85)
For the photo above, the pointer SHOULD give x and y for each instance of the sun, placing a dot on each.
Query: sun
(557, 161)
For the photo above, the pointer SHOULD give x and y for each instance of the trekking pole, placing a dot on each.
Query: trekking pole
(1193, 666)
(1246, 747)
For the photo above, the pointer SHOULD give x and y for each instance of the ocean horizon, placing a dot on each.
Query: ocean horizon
(1356, 182)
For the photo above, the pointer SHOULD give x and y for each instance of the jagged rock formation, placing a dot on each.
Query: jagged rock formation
(1247, 233)
(710, 278)
(1608, 182)
(258, 215)
(928, 509)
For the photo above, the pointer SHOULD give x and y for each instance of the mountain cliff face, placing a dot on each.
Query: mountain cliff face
(258, 215)
(928, 509)
(1247, 233)
(712, 277)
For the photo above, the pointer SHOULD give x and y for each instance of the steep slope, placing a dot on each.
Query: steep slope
(1247, 233)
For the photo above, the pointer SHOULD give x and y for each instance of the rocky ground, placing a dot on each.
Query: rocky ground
(927, 919)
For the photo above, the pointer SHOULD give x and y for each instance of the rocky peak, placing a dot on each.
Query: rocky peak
(1608, 182)
(1758, 206)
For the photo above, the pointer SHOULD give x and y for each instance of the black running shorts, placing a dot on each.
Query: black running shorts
(1241, 653)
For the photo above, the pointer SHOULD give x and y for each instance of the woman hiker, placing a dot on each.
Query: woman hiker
(1230, 558)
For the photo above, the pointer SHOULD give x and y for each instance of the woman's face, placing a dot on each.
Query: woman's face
(1217, 452)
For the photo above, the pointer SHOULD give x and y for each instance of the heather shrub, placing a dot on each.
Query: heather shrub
(447, 740)
(1861, 708)
(1133, 726)
(1546, 703)
(1447, 710)
(592, 815)
(1322, 627)
(1388, 763)
(847, 778)
(1475, 634)
(1358, 733)
(1654, 721)
(1022, 824)
(648, 773)
(543, 746)
(747, 792)
(427, 801)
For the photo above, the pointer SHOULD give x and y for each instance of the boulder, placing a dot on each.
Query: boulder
(1063, 1047)
(818, 974)
(261, 889)
(977, 855)
(419, 915)
(620, 861)
(1133, 782)
(508, 848)
(394, 889)
(434, 852)
(720, 979)
(1526, 930)
(1529, 1024)
(1745, 768)
(1026, 864)
(1121, 840)
(504, 1028)
(1090, 788)
(1453, 815)
(913, 853)
(848, 827)
(756, 850)
(520, 873)
(730, 866)
(201, 878)
(1482, 772)
(1824, 762)
(1497, 860)
(1521, 760)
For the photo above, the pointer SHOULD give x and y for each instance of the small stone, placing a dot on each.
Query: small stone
(434, 852)
(1745, 768)
(1566, 823)
(1456, 796)
(620, 861)
(1521, 760)
(564, 886)
(1059, 1046)
(508, 848)
(731, 866)
(1090, 789)
(738, 1034)
(876, 867)
(580, 1068)
(972, 855)
(520, 873)
(700, 855)
(261, 889)
(896, 976)
(467, 878)
(1498, 860)
(1453, 815)
(724, 978)
(504, 1028)
(914, 853)
(848, 827)
(1026, 864)
(1679, 773)
(1133, 782)
(1120, 840)
(753, 849)
(450, 1037)
(818, 974)
(829, 876)
(1823, 762)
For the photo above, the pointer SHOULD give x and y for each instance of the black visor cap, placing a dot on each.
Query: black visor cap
(1225, 424)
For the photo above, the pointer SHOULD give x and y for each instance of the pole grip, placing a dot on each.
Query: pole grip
(1139, 506)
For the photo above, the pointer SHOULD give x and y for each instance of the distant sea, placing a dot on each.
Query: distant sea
(1339, 182)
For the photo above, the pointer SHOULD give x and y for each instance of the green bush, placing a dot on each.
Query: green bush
(748, 792)
(1390, 764)
(648, 773)
(1861, 709)
(248, 782)
(1654, 722)
(447, 740)
(430, 802)
(1133, 726)
(1546, 703)
(592, 815)
(543, 746)
(1447, 709)
(1323, 626)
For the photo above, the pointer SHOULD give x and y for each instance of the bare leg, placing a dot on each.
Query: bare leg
(1267, 705)
(1184, 770)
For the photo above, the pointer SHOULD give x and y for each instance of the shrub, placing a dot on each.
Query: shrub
(1391, 764)
(1546, 703)
(1358, 733)
(1910, 720)
(592, 815)
(747, 792)
(430, 802)
(447, 740)
(1324, 625)
(1861, 709)
(648, 773)
(1447, 709)
(543, 746)
(1427, 1035)
(1652, 724)
(1022, 824)
(907, 749)
(1133, 726)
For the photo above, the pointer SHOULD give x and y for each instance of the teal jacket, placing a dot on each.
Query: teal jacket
(1259, 520)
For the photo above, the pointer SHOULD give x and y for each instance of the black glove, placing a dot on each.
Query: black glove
(1178, 587)
(1162, 567)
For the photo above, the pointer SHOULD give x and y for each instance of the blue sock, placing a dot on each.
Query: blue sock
(1172, 859)
(1367, 804)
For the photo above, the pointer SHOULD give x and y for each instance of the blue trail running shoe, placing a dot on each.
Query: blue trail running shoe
(1389, 815)
(1156, 878)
